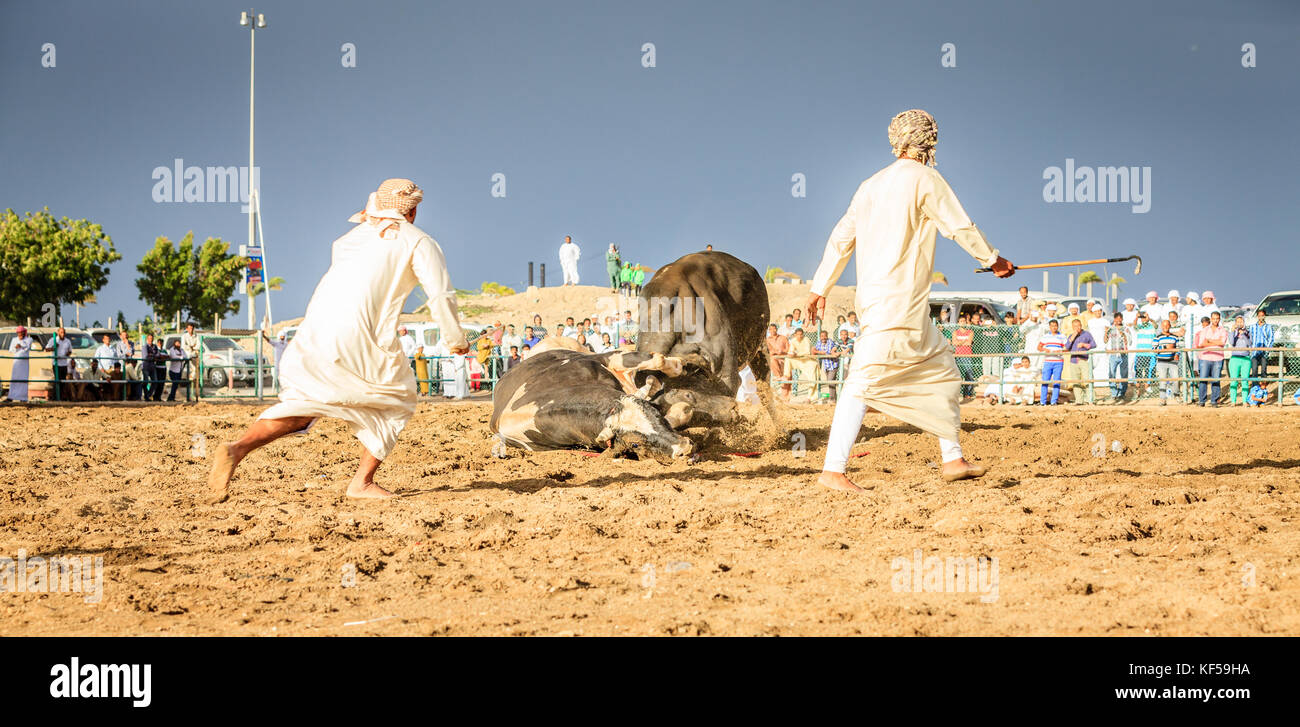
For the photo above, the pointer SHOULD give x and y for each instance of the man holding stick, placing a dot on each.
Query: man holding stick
(902, 365)
(345, 360)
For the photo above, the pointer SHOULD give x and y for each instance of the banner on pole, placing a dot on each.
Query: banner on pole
(254, 274)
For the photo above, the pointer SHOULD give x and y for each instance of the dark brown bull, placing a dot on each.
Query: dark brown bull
(709, 309)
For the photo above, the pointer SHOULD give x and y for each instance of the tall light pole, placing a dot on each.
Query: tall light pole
(254, 22)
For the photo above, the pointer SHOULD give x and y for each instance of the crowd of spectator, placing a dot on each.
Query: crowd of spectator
(1138, 352)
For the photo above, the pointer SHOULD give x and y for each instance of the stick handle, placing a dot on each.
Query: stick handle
(1058, 265)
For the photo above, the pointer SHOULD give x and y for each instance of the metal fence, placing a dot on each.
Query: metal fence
(986, 360)
(108, 378)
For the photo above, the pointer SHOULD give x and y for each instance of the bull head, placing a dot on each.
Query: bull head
(635, 424)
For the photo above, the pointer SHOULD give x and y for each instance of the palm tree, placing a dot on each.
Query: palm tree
(1114, 283)
(773, 273)
(1088, 277)
(257, 289)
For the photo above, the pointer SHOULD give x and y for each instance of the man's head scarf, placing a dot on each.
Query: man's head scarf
(389, 205)
(913, 133)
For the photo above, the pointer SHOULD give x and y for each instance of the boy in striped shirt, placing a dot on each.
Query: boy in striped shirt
(1166, 361)
(1052, 343)
(1261, 336)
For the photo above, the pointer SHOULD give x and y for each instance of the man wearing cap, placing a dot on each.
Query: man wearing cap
(1173, 303)
(345, 361)
(1096, 324)
(1208, 305)
(1130, 312)
(902, 365)
(1152, 306)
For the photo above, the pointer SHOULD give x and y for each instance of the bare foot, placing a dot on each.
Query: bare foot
(960, 469)
(837, 481)
(224, 462)
(369, 490)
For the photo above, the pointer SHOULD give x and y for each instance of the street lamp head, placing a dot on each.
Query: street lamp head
(243, 19)
(261, 20)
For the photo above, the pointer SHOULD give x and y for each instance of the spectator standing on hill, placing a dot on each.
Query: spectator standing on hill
(1262, 335)
(612, 266)
(1238, 361)
(1210, 340)
(570, 253)
(1052, 343)
(638, 280)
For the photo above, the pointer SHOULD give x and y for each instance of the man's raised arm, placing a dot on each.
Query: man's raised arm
(430, 269)
(839, 250)
(941, 205)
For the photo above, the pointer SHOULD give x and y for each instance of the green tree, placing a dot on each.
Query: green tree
(496, 289)
(48, 261)
(938, 277)
(199, 284)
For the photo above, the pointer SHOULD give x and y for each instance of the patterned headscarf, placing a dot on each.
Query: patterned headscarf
(388, 205)
(914, 133)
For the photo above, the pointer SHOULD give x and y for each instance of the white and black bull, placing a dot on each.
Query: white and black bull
(614, 401)
(709, 309)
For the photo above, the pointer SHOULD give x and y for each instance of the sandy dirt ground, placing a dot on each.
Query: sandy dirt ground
(1124, 521)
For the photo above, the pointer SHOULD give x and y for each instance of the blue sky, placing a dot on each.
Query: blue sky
(699, 149)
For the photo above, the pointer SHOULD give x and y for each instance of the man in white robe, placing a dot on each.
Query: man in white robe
(20, 348)
(569, 254)
(345, 361)
(902, 365)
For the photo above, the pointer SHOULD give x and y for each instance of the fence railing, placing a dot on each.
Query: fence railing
(249, 374)
(1137, 381)
(126, 378)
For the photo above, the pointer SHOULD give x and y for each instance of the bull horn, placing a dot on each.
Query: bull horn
(652, 387)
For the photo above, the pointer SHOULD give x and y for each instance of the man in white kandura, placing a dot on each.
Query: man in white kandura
(902, 365)
(345, 360)
(569, 254)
